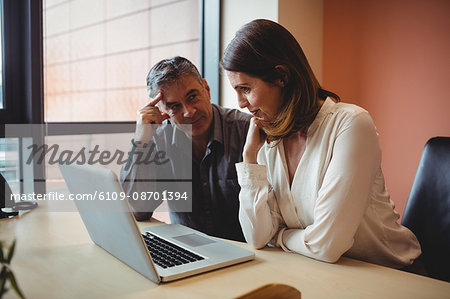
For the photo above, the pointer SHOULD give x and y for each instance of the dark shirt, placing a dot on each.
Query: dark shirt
(215, 190)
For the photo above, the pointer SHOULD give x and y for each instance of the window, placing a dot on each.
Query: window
(97, 54)
(9, 162)
(1, 55)
(86, 61)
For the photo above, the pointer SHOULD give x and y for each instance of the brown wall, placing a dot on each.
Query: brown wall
(392, 58)
(304, 20)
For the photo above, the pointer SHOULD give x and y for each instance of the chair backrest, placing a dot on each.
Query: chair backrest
(427, 211)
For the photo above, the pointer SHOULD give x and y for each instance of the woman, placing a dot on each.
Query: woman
(311, 180)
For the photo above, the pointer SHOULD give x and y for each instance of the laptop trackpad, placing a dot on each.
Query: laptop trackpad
(194, 240)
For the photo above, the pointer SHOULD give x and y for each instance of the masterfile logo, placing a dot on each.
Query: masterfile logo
(95, 156)
(37, 151)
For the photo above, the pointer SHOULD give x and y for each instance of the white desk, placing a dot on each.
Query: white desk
(55, 258)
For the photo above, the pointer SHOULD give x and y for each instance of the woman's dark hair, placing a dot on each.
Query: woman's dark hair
(266, 50)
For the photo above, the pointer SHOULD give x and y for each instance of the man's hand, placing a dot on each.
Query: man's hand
(254, 142)
(146, 116)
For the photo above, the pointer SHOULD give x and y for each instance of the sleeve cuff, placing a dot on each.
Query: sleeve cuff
(251, 174)
(137, 147)
(279, 240)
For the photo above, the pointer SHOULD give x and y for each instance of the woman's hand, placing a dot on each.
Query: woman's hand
(254, 142)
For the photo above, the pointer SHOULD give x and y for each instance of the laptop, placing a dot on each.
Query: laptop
(112, 226)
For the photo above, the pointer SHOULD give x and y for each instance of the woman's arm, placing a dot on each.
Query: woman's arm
(258, 211)
(343, 196)
(259, 214)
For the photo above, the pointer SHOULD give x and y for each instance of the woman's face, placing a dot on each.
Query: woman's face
(262, 99)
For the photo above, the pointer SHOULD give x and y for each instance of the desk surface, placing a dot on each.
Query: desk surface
(55, 258)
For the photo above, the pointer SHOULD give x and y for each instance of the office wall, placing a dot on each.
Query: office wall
(392, 58)
(304, 19)
(236, 13)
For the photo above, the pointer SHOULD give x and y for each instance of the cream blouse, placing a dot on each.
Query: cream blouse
(337, 203)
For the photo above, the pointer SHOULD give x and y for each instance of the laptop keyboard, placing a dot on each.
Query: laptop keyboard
(166, 254)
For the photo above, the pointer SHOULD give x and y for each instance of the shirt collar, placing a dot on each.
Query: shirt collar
(217, 121)
(326, 108)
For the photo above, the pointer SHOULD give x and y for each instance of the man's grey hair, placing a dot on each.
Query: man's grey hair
(168, 71)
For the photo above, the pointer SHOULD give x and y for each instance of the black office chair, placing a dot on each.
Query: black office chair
(427, 211)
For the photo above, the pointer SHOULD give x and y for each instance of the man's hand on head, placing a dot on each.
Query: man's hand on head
(148, 115)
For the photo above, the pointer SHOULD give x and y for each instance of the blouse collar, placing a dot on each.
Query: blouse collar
(326, 109)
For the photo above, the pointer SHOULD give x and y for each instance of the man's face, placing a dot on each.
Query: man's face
(187, 101)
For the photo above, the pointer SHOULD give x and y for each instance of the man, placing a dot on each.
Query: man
(179, 95)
